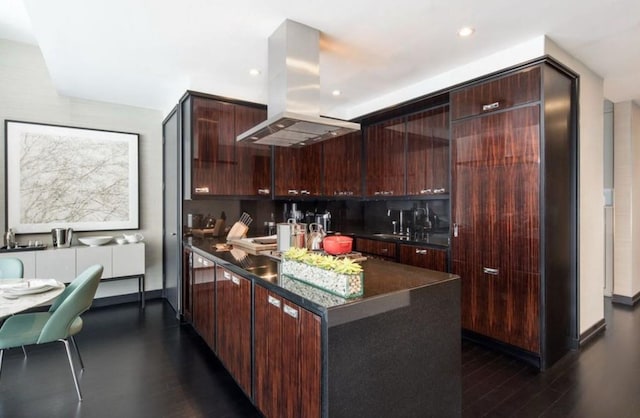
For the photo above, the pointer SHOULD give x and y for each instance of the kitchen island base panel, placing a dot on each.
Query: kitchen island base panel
(378, 366)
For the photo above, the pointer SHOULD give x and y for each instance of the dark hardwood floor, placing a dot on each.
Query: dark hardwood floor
(144, 364)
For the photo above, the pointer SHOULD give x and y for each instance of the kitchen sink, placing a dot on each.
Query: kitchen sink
(266, 272)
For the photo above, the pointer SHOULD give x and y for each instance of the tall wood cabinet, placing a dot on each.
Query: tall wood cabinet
(513, 210)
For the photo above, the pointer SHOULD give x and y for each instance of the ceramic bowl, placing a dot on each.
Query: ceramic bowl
(121, 241)
(96, 240)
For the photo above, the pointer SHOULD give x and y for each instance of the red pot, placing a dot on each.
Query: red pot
(337, 244)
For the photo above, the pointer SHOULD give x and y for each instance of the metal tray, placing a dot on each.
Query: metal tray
(4, 249)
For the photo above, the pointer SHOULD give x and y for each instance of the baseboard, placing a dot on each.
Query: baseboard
(626, 300)
(528, 357)
(592, 332)
(131, 297)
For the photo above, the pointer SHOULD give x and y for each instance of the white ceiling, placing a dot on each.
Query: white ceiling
(147, 53)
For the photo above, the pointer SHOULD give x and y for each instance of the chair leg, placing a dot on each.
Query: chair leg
(73, 370)
(1, 355)
(24, 351)
(75, 344)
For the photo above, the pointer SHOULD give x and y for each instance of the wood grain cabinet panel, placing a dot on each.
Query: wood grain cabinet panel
(253, 168)
(233, 325)
(429, 258)
(502, 93)
(203, 291)
(342, 168)
(428, 152)
(287, 357)
(186, 293)
(213, 147)
(382, 249)
(385, 158)
(298, 171)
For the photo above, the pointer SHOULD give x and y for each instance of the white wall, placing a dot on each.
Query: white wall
(627, 199)
(27, 94)
(590, 192)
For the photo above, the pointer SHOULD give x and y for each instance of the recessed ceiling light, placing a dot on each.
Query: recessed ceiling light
(336, 92)
(254, 72)
(466, 31)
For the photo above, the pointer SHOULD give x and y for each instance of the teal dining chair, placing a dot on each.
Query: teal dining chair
(60, 323)
(11, 268)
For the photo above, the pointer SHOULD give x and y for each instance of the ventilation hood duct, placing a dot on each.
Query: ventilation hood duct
(294, 92)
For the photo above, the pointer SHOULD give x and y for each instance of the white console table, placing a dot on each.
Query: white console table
(120, 262)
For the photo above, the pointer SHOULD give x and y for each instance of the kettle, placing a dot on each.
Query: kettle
(61, 237)
(316, 235)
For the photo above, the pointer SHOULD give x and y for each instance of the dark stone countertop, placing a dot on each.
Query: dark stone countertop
(386, 284)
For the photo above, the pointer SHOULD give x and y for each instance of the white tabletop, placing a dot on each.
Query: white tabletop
(10, 304)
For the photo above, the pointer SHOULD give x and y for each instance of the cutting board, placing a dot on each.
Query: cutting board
(249, 244)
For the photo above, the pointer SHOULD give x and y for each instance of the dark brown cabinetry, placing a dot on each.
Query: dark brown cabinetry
(187, 279)
(287, 357)
(298, 171)
(429, 258)
(253, 169)
(385, 158)
(382, 249)
(428, 152)
(513, 180)
(203, 290)
(342, 168)
(233, 325)
(214, 164)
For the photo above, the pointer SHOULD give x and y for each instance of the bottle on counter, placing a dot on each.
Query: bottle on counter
(9, 239)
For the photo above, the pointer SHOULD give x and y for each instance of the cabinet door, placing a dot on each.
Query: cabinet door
(253, 169)
(287, 357)
(59, 264)
(342, 166)
(298, 171)
(428, 152)
(213, 147)
(128, 260)
(88, 256)
(187, 269)
(428, 258)
(203, 290)
(502, 93)
(385, 155)
(233, 325)
(380, 248)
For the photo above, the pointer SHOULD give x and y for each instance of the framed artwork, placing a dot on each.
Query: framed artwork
(60, 176)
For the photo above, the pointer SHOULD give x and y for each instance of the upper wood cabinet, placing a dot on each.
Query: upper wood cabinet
(253, 169)
(385, 158)
(214, 163)
(342, 165)
(298, 171)
(502, 93)
(428, 152)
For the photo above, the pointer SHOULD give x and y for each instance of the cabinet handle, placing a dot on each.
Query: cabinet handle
(384, 250)
(292, 312)
(487, 270)
(263, 191)
(425, 191)
(201, 190)
(455, 230)
(307, 192)
(419, 251)
(226, 275)
(490, 106)
(291, 191)
(235, 280)
(274, 301)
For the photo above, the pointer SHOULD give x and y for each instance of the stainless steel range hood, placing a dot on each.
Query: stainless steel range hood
(293, 112)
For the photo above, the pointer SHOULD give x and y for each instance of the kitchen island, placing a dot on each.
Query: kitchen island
(393, 352)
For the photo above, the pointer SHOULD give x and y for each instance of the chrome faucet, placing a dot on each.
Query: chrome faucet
(400, 222)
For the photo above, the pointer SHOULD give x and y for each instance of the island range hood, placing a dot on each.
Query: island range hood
(293, 112)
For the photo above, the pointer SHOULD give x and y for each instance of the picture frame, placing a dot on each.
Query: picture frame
(71, 177)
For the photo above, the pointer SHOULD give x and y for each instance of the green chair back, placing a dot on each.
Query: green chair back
(11, 268)
(75, 300)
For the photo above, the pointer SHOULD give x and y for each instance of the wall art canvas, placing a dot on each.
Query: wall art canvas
(60, 176)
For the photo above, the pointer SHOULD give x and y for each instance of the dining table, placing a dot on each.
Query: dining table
(18, 295)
